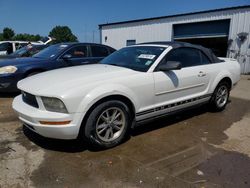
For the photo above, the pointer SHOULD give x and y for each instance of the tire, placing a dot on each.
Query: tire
(220, 97)
(101, 130)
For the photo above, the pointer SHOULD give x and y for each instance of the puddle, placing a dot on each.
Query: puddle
(182, 161)
(225, 169)
(238, 137)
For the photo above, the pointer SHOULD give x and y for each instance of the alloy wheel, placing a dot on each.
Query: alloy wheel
(110, 124)
(221, 96)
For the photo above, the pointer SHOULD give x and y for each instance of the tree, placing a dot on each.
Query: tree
(8, 33)
(62, 34)
(27, 37)
(1, 37)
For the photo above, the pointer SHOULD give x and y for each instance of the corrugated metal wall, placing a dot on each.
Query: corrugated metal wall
(161, 30)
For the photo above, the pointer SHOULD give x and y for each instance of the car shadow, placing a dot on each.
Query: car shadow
(168, 120)
(68, 146)
(78, 145)
(171, 119)
(9, 95)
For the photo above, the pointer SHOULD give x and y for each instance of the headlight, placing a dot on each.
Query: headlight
(54, 104)
(8, 69)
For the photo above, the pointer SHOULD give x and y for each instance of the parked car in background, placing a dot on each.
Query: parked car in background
(26, 51)
(8, 47)
(46, 40)
(53, 57)
(101, 102)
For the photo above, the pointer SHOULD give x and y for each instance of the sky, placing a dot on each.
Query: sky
(84, 16)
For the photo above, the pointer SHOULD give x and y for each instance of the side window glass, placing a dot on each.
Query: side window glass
(4, 46)
(99, 51)
(174, 55)
(78, 52)
(23, 44)
(18, 46)
(186, 56)
(204, 59)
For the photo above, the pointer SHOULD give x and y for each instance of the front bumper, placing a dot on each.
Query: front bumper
(32, 117)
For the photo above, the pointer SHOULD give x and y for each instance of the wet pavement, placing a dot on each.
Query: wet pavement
(196, 148)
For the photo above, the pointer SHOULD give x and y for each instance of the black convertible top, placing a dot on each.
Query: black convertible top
(175, 44)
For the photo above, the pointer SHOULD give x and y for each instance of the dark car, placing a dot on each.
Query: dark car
(26, 51)
(53, 57)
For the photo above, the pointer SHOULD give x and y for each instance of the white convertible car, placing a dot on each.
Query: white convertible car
(101, 102)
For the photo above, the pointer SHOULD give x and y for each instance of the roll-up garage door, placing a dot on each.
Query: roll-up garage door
(211, 34)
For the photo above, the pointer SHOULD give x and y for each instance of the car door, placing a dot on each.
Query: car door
(77, 55)
(178, 86)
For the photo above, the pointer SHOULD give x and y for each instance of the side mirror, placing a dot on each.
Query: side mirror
(67, 57)
(170, 65)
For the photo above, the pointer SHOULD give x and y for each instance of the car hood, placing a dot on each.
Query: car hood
(5, 57)
(20, 61)
(60, 81)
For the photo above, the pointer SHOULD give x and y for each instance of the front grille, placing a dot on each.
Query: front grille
(29, 99)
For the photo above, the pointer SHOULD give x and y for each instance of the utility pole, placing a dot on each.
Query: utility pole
(93, 39)
(85, 32)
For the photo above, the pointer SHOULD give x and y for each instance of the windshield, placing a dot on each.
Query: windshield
(28, 50)
(51, 51)
(139, 58)
(21, 51)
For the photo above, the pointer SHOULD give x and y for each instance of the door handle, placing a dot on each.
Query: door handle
(202, 74)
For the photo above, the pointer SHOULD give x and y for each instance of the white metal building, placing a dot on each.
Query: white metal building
(225, 31)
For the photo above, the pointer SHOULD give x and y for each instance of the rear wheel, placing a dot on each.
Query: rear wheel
(107, 124)
(220, 97)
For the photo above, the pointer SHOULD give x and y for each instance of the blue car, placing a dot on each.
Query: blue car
(53, 57)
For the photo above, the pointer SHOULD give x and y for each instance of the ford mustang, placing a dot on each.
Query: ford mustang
(101, 102)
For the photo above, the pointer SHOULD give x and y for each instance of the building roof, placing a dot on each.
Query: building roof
(175, 15)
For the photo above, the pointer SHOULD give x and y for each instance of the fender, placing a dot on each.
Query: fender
(104, 91)
(219, 77)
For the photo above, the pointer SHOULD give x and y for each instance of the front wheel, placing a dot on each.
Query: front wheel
(220, 97)
(107, 125)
